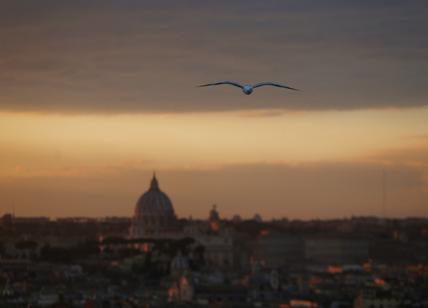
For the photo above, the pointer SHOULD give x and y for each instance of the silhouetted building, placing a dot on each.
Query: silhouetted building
(275, 250)
(154, 214)
(336, 250)
(214, 220)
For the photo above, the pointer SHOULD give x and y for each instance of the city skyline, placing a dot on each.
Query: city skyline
(95, 97)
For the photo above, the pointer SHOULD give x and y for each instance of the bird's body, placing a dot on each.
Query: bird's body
(248, 88)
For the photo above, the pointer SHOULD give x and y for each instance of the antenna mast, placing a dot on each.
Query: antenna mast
(384, 194)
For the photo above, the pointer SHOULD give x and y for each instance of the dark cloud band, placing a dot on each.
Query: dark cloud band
(137, 56)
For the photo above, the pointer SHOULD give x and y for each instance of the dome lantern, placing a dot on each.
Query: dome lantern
(154, 185)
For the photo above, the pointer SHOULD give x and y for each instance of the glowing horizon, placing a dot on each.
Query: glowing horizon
(83, 152)
(202, 140)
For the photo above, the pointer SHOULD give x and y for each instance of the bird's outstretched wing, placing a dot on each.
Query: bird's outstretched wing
(232, 83)
(273, 84)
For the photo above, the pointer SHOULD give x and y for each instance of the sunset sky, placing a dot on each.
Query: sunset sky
(96, 96)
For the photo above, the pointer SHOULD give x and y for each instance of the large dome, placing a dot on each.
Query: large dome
(154, 214)
(154, 202)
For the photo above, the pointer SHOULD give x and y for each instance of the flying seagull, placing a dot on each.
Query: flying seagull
(248, 88)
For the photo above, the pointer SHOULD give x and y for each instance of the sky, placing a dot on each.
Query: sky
(95, 96)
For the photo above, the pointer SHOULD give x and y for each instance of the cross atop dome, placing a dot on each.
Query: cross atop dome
(154, 185)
